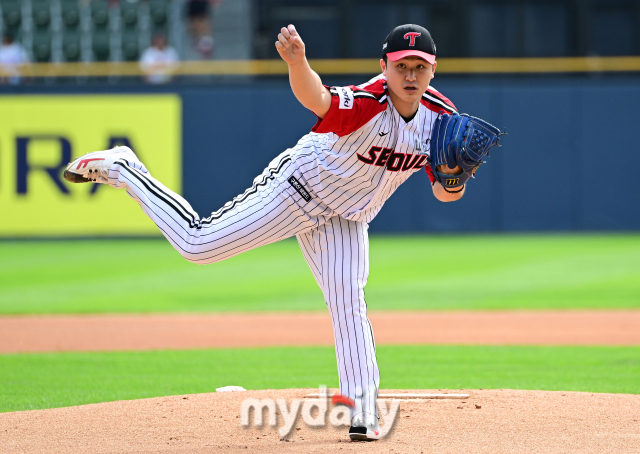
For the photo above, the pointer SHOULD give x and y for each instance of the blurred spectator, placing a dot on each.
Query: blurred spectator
(200, 26)
(12, 56)
(159, 61)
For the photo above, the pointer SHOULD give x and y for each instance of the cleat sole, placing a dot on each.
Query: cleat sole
(360, 437)
(75, 178)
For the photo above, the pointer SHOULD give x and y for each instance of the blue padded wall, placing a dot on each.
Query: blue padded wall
(569, 162)
(549, 176)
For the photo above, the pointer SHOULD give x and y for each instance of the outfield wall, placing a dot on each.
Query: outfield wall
(569, 162)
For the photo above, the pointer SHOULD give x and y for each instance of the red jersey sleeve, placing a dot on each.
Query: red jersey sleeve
(435, 101)
(351, 108)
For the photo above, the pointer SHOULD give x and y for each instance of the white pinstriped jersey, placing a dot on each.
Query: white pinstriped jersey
(343, 171)
(358, 155)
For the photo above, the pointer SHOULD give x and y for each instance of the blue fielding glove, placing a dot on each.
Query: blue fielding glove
(460, 140)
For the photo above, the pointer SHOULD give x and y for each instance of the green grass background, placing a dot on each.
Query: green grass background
(33, 381)
(407, 272)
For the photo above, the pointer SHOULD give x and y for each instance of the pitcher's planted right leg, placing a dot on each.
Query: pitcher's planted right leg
(337, 252)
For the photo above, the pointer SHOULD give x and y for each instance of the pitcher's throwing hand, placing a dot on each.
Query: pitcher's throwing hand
(290, 46)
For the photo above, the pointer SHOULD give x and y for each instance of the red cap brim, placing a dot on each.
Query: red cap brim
(399, 55)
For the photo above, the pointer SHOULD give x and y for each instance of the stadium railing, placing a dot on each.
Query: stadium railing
(343, 66)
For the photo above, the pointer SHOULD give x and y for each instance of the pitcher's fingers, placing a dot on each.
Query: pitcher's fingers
(280, 47)
(285, 32)
(297, 42)
(292, 30)
(284, 41)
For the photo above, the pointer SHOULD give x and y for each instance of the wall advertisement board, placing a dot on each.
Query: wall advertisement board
(39, 135)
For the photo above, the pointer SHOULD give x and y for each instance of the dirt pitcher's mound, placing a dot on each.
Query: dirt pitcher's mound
(490, 421)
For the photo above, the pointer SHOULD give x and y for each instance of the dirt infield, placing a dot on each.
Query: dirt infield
(170, 331)
(490, 421)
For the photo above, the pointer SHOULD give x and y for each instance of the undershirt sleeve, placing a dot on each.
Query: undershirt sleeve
(432, 177)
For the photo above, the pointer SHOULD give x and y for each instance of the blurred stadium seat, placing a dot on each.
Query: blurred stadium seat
(100, 13)
(159, 13)
(41, 12)
(71, 37)
(129, 13)
(71, 45)
(70, 10)
(42, 46)
(130, 45)
(11, 15)
(100, 39)
(100, 44)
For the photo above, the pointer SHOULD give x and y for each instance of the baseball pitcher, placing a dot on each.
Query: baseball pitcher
(367, 141)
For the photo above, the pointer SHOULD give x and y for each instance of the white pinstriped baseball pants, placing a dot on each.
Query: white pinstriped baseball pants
(336, 249)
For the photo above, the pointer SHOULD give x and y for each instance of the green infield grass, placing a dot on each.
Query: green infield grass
(35, 381)
(407, 272)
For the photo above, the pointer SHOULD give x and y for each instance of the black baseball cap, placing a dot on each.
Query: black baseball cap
(409, 40)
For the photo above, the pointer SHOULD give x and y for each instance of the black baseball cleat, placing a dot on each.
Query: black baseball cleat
(364, 427)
